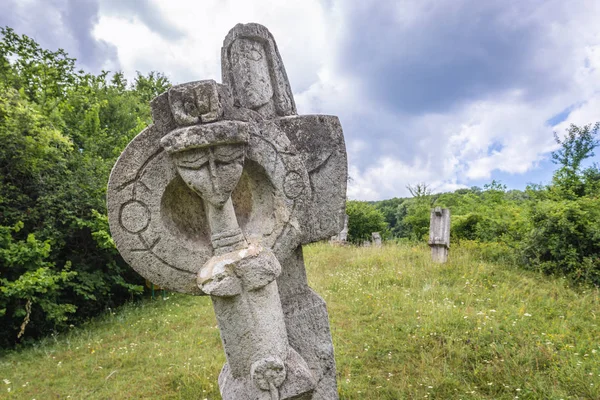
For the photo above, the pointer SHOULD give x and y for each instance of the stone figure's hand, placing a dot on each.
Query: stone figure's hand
(222, 283)
(268, 374)
(251, 268)
(258, 267)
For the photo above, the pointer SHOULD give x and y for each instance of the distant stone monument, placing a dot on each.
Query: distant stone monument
(342, 237)
(217, 198)
(376, 237)
(439, 234)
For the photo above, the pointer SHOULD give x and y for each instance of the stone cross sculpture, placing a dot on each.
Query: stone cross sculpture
(439, 234)
(217, 198)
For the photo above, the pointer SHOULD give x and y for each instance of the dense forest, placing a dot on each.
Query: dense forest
(62, 129)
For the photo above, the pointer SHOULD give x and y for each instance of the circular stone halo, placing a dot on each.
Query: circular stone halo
(139, 182)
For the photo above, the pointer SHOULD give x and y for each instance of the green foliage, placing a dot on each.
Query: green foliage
(564, 235)
(565, 239)
(28, 278)
(363, 220)
(413, 216)
(389, 209)
(578, 144)
(62, 130)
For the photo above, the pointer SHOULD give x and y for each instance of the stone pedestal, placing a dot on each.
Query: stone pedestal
(439, 254)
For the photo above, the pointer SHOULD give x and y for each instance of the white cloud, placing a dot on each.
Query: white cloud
(390, 175)
(299, 27)
(508, 133)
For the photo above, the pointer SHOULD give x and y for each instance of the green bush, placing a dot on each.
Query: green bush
(61, 130)
(363, 220)
(565, 239)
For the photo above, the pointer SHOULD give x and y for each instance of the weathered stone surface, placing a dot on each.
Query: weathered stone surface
(320, 142)
(218, 196)
(439, 234)
(252, 67)
(376, 237)
(195, 102)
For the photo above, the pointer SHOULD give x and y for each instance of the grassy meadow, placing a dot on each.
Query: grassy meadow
(402, 328)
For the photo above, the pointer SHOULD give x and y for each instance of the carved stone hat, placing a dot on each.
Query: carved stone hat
(198, 136)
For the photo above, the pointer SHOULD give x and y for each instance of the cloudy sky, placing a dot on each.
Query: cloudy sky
(452, 93)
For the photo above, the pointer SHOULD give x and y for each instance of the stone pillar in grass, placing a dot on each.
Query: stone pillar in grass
(376, 238)
(218, 196)
(439, 234)
(342, 237)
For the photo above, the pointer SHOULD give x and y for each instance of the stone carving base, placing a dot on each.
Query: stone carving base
(298, 385)
(307, 325)
(308, 332)
(439, 254)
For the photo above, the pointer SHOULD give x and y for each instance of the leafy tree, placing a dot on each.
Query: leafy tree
(389, 208)
(150, 86)
(413, 215)
(564, 237)
(363, 220)
(578, 144)
(62, 130)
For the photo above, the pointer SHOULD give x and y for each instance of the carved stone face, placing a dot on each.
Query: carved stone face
(194, 102)
(212, 172)
(252, 80)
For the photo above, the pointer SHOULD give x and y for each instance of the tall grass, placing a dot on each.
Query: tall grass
(403, 328)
